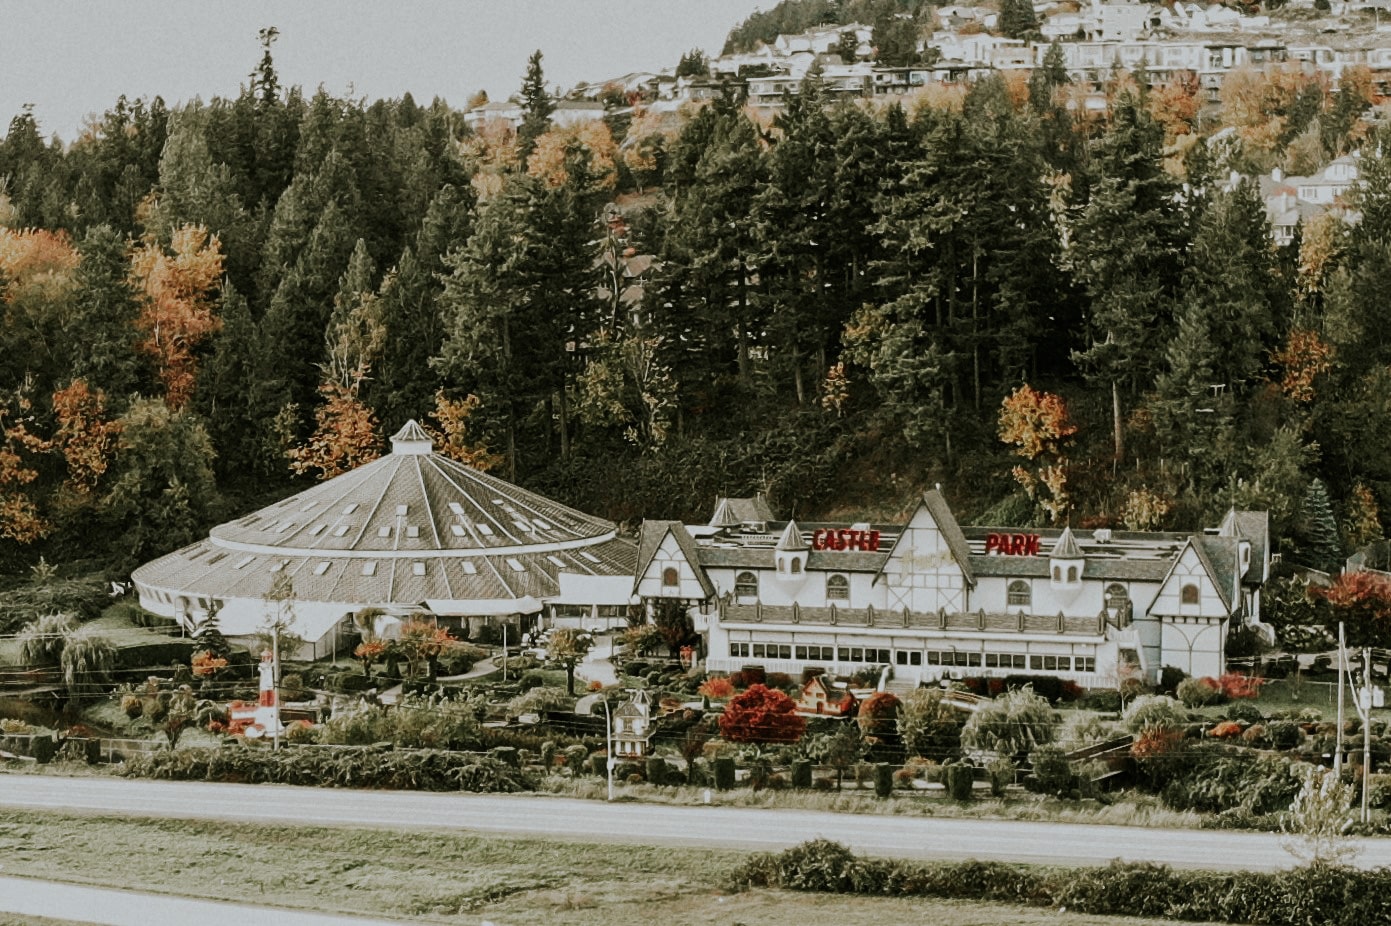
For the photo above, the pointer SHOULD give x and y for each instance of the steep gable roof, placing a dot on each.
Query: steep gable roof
(792, 539)
(1066, 547)
(650, 539)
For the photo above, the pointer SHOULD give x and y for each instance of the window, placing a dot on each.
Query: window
(417, 568)
(671, 577)
(796, 565)
(746, 587)
(837, 588)
(1019, 594)
(384, 532)
(457, 530)
(1085, 663)
(412, 530)
(909, 658)
(1071, 574)
(1116, 597)
(1057, 573)
(1189, 595)
(401, 510)
(469, 568)
(369, 568)
(484, 529)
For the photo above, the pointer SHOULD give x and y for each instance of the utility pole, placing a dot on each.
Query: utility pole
(275, 689)
(1342, 680)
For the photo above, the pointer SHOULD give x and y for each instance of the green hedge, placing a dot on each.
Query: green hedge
(342, 767)
(1328, 895)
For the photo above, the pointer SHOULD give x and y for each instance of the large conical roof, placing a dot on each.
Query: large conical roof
(413, 526)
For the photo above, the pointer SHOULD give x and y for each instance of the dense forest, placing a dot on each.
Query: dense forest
(1059, 317)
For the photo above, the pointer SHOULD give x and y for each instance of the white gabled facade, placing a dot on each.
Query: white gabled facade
(934, 600)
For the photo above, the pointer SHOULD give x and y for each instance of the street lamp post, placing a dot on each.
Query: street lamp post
(608, 740)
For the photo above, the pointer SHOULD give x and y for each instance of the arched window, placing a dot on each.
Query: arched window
(1057, 573)
(837, 588)
(671, 577)
(746, 586)
(1071, 574)
(1189, 595)
(1116, 597)
(1019, 594)
(796, 565)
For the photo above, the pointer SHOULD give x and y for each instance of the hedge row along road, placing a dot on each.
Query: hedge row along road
(651, 824)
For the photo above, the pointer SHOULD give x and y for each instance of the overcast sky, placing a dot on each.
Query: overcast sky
(71, 58)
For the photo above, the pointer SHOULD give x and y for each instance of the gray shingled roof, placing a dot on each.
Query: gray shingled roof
(411, 526)
(650, 538)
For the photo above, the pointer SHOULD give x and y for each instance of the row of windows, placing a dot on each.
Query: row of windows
(875, 656)
(746, 585)
(1038, 662)
(859, 654)
(1020, 594)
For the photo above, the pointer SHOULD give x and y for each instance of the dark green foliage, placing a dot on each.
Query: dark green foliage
(883, 779)
(83, 598)
(960, 781)
(1213, 778)
(340, 767)
(1052, 774)
(1315, 894)
(724, 773)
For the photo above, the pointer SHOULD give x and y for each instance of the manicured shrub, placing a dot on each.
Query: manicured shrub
(717, 688)
(1244, 711)
(960, 781)
(801, 773)
(1048, 687)
(1199, 692)
(1051, 772)
(1236, 685)
(1227, 729)
(883, 779)
(1169, 679)
(656, 770)
(1104, 701)
(724, 773)
(1154, 711)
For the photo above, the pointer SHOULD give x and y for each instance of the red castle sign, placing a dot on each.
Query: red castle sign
(845, 539)
(1012, 544)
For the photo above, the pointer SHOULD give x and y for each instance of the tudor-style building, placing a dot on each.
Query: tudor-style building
(934, 599)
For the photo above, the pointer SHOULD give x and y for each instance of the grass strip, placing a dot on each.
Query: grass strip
(448, 877)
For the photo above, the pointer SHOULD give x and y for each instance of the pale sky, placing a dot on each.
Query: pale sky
(71, 58)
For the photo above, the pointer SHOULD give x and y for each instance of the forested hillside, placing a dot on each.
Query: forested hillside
(206, 306)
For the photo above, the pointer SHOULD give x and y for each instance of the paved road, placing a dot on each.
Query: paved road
(128, 908)
(652, 824)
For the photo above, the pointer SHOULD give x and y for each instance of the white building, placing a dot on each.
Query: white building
(934, 599)
(413, 532)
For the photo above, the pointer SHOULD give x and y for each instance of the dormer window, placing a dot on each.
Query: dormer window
(1019, 595)
(837, 588)
(746, 588)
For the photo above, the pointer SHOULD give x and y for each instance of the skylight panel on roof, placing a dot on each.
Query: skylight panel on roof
(418, 568)
(469, 568)
(216, 558)
(245, 561)
(515, 565)
(485, 530)
(523, 526)
(369, 568)
(456, 508)
(276, 567)
(541, 524)
(317, 530)
(589, 556)
(498, 501)
(412, 530)
(401, 510)
(309, 506)
(350, 509)
(384, 531)
(284, 527)
(457, 530)
(557, 561)
(340, 530)
(322, 568)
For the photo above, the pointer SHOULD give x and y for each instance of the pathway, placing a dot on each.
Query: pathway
(131, 908)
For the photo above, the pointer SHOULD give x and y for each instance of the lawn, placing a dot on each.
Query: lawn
(447, 877)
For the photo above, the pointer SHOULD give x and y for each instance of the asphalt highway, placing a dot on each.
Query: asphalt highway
(900, 836)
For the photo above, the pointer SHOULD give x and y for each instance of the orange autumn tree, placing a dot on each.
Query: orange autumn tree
(452, 436)
(1037, 425)
(1304, 358)
(84, 436)
(345, 435)
(177, 286)
(20, 519)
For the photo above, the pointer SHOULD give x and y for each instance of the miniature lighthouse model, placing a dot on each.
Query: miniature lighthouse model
(267, 721)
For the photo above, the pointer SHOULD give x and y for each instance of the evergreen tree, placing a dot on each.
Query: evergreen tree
(1017, 19)
(537, 107)
(1319, 544)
